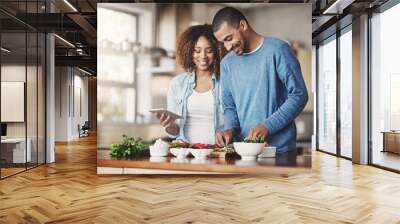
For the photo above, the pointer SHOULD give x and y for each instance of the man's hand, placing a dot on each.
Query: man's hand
(223, 138)
(258, 131)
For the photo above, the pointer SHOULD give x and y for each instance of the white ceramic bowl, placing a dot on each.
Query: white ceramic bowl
(201, 153)
(268, 152)
(158, 151)
(179, 152)
(248, 151)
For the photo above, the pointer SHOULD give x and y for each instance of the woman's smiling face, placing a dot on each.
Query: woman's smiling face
(203, 55)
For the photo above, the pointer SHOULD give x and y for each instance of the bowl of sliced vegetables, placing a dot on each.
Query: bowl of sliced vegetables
(200, 150)
(250, 148)
(179, 148)
(179, 153)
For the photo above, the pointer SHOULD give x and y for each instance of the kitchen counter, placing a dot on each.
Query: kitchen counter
(286, 163)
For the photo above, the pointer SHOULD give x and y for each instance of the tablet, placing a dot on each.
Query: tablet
(162, 110)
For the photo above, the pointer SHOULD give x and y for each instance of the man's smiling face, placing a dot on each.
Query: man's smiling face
(232, 38)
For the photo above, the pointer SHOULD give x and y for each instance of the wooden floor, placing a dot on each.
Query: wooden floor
(386, 159)
(5, 172)
(10, 171)
(70, 191)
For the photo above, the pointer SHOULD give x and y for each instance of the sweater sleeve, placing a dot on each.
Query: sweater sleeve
(230, 113)
(289, 72)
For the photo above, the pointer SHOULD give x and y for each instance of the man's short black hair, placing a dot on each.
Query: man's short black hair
(229, 15)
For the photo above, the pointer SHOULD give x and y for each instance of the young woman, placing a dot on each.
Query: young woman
(195, 94)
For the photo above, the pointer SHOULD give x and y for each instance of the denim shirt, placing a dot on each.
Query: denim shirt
(180, 88)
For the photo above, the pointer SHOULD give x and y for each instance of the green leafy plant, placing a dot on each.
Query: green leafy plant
(255, 140)
(228, 149)
(174, 145)
(130, 146)
(178, 144)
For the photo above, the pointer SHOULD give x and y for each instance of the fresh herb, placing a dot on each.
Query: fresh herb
(228, 149)
(255, 140)
(174, 145)
(130, 146)
(178, 144)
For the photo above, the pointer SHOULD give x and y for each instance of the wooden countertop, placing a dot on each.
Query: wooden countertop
(282, 164)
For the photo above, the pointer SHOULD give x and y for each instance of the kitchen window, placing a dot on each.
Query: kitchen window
(116, 66)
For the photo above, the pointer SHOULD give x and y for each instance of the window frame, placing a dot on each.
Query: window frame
(347, 27)
(380, 9)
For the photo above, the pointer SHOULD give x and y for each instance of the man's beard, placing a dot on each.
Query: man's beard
(238, 49)
(244, 43)
(241, 48)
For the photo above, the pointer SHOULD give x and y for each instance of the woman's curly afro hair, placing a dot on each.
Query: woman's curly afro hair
(187, 42)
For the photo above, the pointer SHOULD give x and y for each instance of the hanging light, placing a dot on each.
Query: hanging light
(70, 5)
(64, 40)
(5, 50)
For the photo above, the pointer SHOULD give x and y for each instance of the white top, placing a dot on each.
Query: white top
(199, 125)
(258, 47)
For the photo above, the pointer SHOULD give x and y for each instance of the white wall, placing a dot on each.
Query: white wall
(167, 23)
(33, 126)
(67, 115)
(61, 103)
(204, 13)
(291, 22)
(12, 73)
(80, 83)
(286, 21)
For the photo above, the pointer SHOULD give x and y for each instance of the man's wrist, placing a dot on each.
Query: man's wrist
(266, 128)
(269, 126)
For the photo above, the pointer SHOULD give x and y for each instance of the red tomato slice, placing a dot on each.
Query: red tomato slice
(200, 146)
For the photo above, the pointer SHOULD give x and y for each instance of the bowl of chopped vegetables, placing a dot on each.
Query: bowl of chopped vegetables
(201, 150)
(250, 148)
(179, 153)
